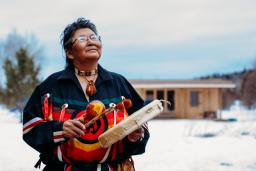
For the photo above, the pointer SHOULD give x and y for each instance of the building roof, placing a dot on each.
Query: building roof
(210, 83)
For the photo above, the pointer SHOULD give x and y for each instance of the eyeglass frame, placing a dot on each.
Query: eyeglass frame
(84, 36)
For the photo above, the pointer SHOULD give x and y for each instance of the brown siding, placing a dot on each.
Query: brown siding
(210, 99)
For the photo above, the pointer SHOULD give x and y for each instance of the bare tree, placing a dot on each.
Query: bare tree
(249, 89)
(254, 64)
(15, 41)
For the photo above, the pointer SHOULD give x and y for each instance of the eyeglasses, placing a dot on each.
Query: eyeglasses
(84, 38)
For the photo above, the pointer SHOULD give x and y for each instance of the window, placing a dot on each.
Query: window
(149, 95)
(194, 98)
(170, 97)
(160, 94)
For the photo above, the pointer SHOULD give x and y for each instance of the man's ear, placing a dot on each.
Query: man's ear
(69, 54)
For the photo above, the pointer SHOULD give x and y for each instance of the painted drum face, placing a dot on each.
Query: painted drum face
(86, 148)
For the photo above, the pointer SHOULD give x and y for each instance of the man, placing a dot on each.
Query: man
(50, 117)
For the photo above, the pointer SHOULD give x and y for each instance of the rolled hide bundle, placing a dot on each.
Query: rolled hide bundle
(130, 124)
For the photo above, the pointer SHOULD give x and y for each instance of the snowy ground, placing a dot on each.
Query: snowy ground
(175, 145)
(15, 155)
(199, 146)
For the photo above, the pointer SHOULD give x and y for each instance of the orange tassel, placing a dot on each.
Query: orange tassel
(127, 103)
(120, 106)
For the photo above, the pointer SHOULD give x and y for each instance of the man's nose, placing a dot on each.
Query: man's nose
(91, 42)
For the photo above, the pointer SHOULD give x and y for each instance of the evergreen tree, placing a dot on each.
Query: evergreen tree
(20, 58)
(12, 43)
(21, 77)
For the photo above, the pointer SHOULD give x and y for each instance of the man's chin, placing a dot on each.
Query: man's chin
(93, 57)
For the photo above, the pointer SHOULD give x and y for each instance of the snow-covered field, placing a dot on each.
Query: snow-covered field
(182, 145)
(15, 155)
(175, 145)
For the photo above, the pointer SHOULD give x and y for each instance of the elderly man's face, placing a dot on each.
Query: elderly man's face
(86, 46)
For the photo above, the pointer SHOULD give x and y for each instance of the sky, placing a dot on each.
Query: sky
(163, 39)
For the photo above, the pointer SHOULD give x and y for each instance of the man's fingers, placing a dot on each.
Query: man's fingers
(71, 134)
(140, 131)
(78, 124)
(136, 135)
(77, 130)
(72, 128)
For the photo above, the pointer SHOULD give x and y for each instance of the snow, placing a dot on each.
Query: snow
(239, 112)
(184, 145)
(178, 145)
(15, 154)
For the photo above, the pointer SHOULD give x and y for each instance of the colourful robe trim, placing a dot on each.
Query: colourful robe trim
(28, 126)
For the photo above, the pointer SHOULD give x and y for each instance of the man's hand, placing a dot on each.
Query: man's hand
(73, 129)
(136, 135)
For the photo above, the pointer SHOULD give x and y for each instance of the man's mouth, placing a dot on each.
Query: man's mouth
(91, 49)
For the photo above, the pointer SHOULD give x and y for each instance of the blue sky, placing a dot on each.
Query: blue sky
(164, 39)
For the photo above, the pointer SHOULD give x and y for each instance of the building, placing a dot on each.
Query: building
(189, 98)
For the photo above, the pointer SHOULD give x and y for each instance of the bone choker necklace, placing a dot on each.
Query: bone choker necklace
(87, 73)
(90, 87)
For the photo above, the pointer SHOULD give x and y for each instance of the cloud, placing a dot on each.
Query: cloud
(172, 68)
(188, 37)
(186, 60)
(134, 22)
(169, 22)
